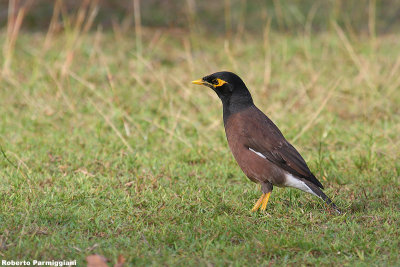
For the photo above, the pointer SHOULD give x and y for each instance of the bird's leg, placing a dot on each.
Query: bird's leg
(265, 201)
(262, 200)
(258, 203)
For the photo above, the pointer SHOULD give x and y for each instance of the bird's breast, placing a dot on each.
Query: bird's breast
(253, 164)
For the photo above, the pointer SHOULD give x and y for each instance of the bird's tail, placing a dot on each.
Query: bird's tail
(317, 191)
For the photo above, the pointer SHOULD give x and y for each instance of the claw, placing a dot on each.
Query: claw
(265, 201)
(262, 200)
(258, 203)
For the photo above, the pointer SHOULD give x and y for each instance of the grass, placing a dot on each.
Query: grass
(111, 151)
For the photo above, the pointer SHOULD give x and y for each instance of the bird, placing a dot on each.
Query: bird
(258, 146)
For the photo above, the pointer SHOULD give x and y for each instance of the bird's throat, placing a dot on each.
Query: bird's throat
(234, 105)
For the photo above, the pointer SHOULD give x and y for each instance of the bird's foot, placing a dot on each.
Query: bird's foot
(262, 201)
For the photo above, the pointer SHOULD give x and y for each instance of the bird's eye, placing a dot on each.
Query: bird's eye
(215, 81)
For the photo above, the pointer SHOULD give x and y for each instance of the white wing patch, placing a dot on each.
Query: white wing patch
(292, 181)
(258, 153)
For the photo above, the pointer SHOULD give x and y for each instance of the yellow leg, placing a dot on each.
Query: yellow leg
(265, 201)
(258, 203)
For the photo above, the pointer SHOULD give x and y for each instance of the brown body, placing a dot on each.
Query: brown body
(238, 128)
(275, 158)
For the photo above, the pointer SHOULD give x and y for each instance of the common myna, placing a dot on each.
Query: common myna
(259, 147)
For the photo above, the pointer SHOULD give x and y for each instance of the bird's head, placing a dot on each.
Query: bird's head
(226, 84)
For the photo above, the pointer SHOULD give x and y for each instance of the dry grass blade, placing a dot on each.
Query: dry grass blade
(53, 24)
(13, 27)
(138, 27)
(60, 89)
(171, 133)
(115, 129)
(267, 55)
(362, 67)
(317, 112)
(231, 57)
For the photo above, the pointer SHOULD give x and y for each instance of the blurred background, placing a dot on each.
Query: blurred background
(219, 16)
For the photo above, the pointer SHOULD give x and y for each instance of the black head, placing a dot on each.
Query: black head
(226, 84)
(230, 89)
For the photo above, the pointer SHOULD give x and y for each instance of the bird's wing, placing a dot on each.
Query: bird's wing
(264, 137)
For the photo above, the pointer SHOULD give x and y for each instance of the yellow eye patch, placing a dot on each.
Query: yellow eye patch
(220, 82)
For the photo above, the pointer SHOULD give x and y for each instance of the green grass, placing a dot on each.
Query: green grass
(113, 152)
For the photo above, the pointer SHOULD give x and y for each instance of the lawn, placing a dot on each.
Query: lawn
(107, 148)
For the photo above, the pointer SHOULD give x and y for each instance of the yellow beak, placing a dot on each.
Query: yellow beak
(199, 82)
